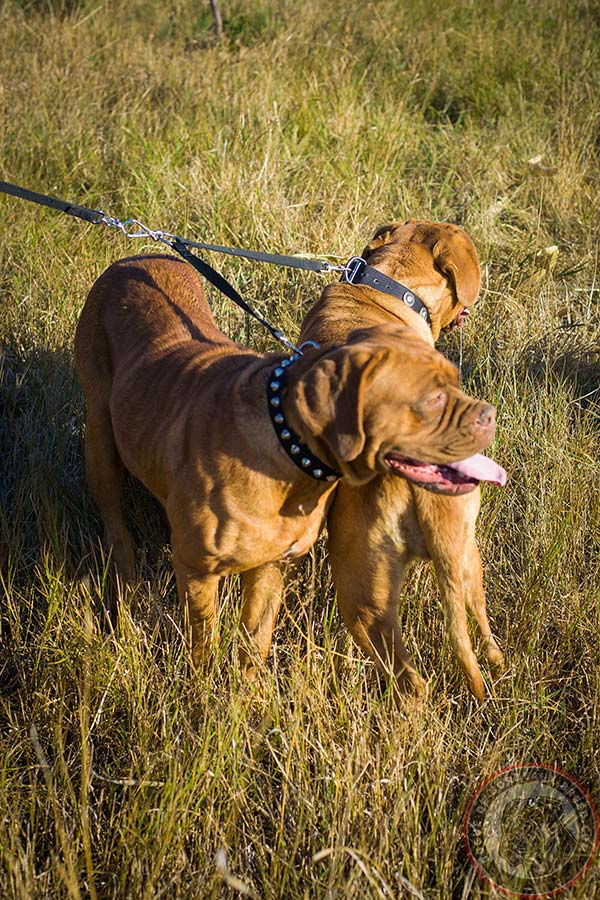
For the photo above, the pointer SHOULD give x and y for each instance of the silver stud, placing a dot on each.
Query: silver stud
(274, 385)
(318, 473)
(305, 462)
(294, 449)
(275, 401)
(278, 419)
(278, 372)
(285, 434)
(423, 313)
(285, 363)
(409, 299)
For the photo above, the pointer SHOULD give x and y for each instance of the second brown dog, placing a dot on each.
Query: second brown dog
(376, 530)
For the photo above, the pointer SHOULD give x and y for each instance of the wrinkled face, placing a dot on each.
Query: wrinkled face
(418, 423)
(387, 402)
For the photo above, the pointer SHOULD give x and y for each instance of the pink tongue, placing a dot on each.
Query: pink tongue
(480, 468)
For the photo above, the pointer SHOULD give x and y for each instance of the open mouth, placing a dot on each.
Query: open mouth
(451, 478)
(458, 321)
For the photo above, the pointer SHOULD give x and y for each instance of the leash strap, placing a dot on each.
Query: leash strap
(356, 271)
(81, 212)
(294, 262)
(97, 217)
(221, 283)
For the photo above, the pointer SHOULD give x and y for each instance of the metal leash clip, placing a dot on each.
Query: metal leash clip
(285, 341)
(327, 268)
(141, 230)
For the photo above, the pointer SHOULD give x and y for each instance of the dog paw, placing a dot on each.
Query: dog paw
(493, 654)
(410, 684)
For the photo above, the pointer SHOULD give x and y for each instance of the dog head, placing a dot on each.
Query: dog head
(437, 261)
(388, 402)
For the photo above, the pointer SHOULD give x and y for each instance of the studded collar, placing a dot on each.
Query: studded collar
(301, 455)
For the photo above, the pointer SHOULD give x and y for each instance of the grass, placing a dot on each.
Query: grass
(299, 132)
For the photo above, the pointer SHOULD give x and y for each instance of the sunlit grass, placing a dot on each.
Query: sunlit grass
(301, 131)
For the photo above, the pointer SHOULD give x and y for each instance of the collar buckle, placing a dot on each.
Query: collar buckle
(354, 268)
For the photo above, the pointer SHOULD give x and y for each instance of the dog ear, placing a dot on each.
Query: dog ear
(455, 257)
(382, 236)
(329, 400)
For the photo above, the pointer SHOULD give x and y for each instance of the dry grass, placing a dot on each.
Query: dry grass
(301, 131)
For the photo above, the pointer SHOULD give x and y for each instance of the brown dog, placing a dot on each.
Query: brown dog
(377, 529)
(211, 429)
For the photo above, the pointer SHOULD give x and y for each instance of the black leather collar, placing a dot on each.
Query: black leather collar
(301, 455)
(358, 271)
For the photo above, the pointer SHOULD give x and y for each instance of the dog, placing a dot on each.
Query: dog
(244, 450)
(375, 530)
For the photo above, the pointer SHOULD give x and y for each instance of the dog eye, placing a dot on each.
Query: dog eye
(434, 400)
(431, 405)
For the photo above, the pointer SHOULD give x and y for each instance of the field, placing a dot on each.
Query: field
(300, 131)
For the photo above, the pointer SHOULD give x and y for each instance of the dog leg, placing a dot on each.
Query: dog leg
(448, 527)
(376, 630)
(452, 589)
(473, 573)
(261, 600)
(368, 570)
(198, 599)
(104, 472)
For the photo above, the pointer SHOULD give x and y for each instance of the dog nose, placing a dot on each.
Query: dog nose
(487, 416)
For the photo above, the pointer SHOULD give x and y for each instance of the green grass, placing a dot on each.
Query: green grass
(302, 130)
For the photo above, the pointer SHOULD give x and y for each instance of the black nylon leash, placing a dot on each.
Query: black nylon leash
(81, 212)
(97, 217)
(221, 283)
(321, 267)
(180, 245)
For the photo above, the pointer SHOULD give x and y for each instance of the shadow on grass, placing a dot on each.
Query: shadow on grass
(577, 364)
(559, 358)
(49, 527)
(45, 503)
